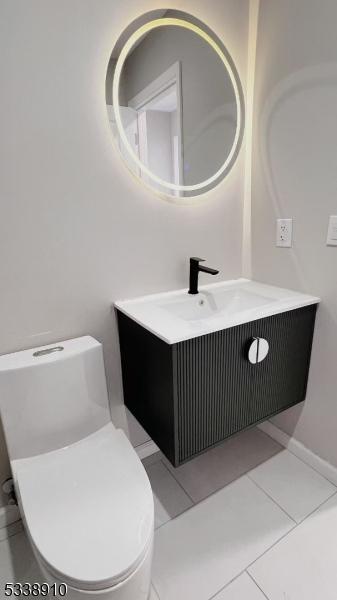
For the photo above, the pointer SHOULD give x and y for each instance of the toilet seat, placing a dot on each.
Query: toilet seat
(88, 509)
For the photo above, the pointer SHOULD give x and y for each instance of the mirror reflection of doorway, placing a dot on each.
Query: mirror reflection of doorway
(159, 116)
(130, 123)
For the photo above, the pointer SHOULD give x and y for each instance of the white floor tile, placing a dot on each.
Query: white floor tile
(169, 498)
(12, 529)
(219, 466)
(17, 562)
(9, 514)
(153, 594)
(296, 487)
(137, 435)
(242, 588)
(213, 542)
(302, 566)
(151, 459)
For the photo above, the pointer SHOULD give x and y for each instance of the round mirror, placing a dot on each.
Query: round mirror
(175, 104)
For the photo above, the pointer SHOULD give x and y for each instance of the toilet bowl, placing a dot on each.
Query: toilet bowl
(84, 496)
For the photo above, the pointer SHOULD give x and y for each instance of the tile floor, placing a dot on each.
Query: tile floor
(245, 521)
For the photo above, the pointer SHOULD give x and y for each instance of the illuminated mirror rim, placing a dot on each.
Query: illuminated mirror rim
(139, 33)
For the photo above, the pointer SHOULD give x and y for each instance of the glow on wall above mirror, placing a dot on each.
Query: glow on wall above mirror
(175, 104)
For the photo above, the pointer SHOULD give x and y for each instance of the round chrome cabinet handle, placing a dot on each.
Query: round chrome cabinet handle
(258, 350)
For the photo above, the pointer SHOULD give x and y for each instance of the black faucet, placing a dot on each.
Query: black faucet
(195, 268)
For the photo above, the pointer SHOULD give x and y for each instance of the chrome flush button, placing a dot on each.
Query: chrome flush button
(258, 350)
(48, 351)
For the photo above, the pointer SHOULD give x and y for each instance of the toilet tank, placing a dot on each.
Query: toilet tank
(53, 396)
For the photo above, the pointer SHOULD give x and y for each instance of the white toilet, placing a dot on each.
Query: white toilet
(83, 493)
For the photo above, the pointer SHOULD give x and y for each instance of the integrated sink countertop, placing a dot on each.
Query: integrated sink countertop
(177, 316)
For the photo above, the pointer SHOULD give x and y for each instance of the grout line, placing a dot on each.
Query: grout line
(254, 561)
(296, 525)
(228, 483)
(226, 586)
(141, 444)
(11, 529)
(245, 475)
(290, 531)
(296, 455)
(317, 508)
(333, 493)
(257, 585)
(155, 589)
(181, 487)
(173, 518)
(146, 449)
(272, 499)
(310, 466)
(272, 546)
(232, 581)
(180, 484)
(223, 486)
(146, 465)
(271, 438)
(313, 468)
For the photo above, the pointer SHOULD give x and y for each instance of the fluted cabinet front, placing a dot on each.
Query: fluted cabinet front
(194, 394)
(220, 392)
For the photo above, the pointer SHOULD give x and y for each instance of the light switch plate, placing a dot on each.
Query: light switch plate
(331, 239)
(284, 233)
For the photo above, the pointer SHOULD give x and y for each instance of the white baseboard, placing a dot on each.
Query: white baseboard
(310, 458)
(146, 449)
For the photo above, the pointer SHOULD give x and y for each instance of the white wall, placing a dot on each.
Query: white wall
(76, 230)
(295, 175)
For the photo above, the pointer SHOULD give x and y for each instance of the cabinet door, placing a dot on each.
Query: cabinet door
(212, 388)
(219, 392)
(280, 380)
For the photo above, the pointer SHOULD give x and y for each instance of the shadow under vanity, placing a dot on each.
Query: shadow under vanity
(197, 370)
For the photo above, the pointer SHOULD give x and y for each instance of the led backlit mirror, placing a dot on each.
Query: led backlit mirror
(175, 104)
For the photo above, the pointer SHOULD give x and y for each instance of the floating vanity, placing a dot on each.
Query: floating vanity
(197, 369)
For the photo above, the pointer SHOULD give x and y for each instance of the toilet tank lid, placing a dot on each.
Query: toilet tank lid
(46, 354)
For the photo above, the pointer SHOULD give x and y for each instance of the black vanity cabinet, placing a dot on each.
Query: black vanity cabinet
(191, 395)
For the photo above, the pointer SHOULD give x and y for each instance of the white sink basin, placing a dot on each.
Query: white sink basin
(209, 304)
(177, 316)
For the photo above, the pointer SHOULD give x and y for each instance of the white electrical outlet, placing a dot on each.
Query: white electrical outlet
(331, 239)
(284, 233)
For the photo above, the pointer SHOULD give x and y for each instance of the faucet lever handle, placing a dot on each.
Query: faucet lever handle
(196, 259)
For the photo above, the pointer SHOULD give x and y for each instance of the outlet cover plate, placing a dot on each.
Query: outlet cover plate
(284, 233)
(331, 239)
